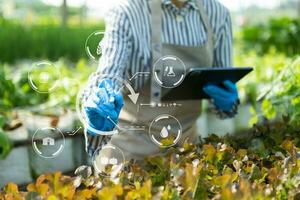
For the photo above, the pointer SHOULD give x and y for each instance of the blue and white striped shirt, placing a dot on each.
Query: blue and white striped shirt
(126, 46)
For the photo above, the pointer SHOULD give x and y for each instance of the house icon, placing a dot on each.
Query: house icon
(48, 141)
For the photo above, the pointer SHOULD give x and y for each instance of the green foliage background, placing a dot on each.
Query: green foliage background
(279, 33)
(43, 41)
(261, 164)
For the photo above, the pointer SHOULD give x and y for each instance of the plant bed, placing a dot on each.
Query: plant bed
(260, 165)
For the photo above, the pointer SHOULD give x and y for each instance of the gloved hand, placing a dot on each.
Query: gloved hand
(224, 99)
(103, 104)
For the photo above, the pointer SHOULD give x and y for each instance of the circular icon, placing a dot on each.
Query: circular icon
(108, 161)
(80, 104)
(165, 131)
(48, 142)
(169, 71)
(43, 77)
(93, 45)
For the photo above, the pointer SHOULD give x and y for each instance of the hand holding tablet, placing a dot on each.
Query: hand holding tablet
(225, 97)
(201, 77)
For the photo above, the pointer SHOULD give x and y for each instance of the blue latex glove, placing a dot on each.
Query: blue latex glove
(103, 103)
(224, 99)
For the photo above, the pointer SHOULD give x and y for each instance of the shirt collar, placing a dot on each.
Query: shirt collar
(189, 3)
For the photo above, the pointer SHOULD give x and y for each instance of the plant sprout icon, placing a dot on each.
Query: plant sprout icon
(164, 133)
(99, 50)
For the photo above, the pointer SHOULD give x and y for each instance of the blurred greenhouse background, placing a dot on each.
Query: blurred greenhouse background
(266, 37)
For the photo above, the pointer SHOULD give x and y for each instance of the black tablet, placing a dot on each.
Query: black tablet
(196, 78)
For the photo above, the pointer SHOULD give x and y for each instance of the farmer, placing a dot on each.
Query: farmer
(138, 33)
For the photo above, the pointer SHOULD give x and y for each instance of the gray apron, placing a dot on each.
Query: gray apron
(137, 144)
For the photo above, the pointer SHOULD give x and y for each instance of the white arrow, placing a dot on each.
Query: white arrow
(133, 96)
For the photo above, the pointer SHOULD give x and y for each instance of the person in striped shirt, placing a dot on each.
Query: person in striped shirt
(139, 33)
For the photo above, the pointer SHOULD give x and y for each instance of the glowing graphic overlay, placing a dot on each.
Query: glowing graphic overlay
(127, 128)
(138, 74)
(154, 104)
(165, 131)
(93, 47)
(169, 71)
(48, 142)
(108, 161)
(43, 77)
(73, 132)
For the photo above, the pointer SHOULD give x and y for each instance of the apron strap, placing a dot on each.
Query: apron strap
(156, 29)
(156, 25)
(204, 17)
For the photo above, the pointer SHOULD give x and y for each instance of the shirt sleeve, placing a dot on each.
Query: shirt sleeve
(115, 47)
(223, 47)
(115, 44)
